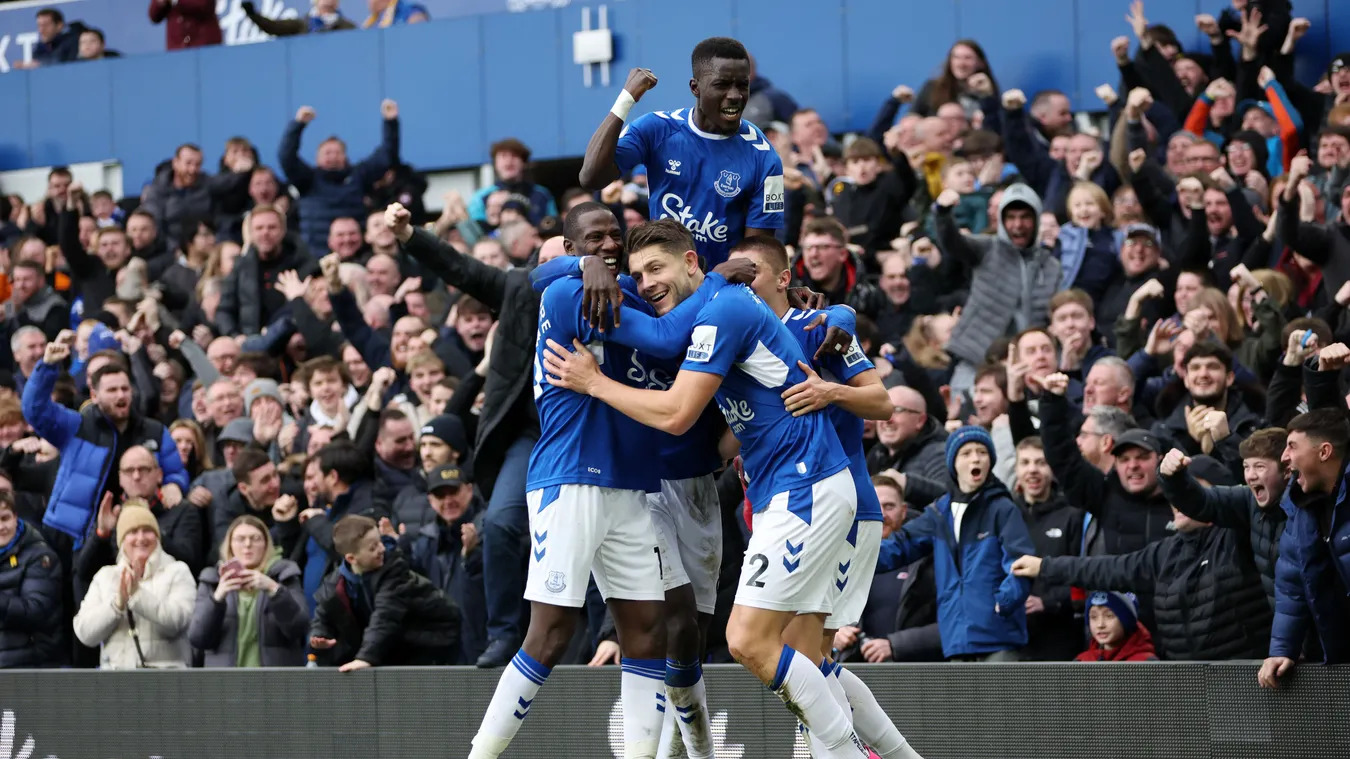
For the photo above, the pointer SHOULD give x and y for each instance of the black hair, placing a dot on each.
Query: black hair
(572, 225)
(56, 16)
(344, 458)
(716, 47)
(1209, 349)
(1324, 425)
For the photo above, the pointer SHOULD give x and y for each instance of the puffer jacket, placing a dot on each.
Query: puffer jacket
(283, 620)
(973, 575)
(1234, 508)
(177, 208)
(1312, 575)
(327, 195)
(508, 405)
(1207, 596)
(88, 441)
(30, 601)
(241, 295)
(161, 608)
(1000, 271)
(1242, 422)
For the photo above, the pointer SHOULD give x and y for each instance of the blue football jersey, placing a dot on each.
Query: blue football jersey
(694, 453)
(848, 426)
(583, 440)
(737, 337)
(716, 185)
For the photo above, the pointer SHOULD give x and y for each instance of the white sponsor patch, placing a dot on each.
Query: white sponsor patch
(773, 195)
(855, 354)
(702, 343)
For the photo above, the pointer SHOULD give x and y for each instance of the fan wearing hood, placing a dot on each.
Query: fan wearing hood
(974, 534)
(1013, 277)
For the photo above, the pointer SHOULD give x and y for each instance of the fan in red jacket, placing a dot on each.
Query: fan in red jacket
(1114, 630)
(188, 23)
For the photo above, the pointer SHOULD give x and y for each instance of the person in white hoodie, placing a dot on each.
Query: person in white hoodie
(137, 610)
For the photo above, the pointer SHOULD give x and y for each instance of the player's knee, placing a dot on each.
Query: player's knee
(745, 646)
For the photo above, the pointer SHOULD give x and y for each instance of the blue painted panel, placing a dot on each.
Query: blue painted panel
(669, 32)
(891, 42)
(764, 27)
(255, 106)
(1025, 47)
(16, 137)
(149, 122)
(585, 107)
(523, 82)
(433, 71)
(340, 76)
(69, 109)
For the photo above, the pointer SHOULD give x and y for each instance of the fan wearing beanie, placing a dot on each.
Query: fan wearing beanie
(1114, 632)
(974, 534)
(137, 610)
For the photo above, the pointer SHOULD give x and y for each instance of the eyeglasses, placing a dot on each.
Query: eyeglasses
(248, 540)
(904, 410)
(137, 471)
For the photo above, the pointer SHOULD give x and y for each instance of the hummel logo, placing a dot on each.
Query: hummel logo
(673, 167)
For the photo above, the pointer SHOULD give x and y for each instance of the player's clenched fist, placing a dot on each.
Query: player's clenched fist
(640, 82)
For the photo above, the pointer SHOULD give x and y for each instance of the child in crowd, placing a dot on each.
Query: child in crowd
(973, 211)
(1114, 632)
(375, 611)
(1089, 249)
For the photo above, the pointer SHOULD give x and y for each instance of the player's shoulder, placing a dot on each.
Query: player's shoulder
(655, 122)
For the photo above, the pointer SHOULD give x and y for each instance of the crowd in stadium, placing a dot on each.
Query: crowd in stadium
(1145, 314)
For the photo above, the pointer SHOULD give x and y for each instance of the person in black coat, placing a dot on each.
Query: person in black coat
(447, 552)
(374, 611)
(1251, 510)
(508, 424)
(1054, 632)
(30, 594)
(249, 296)
(1206, 592)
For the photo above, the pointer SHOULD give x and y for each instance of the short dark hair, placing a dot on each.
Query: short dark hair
(1043, 96)
(96, 381)
(1324, 425)
(1033, 443)
(263, 365)
(1209, 349)
(716, 47)
(324, 363)
(1319, 328)
(1265, 443)
(32, 265)
(349, 531)
(390, 415)
(53, 14)
(572, 225)
(997, 372)
(344, 458)
(667, 234)
(467, 305)
(186, 146)
(248, 460)
(97, 33)
(58, 171)
(981, 142)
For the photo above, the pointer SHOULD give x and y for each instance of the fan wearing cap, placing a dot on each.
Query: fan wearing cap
(974, 534)
(1211, 419)
(138, 609)
(1114, 632)
(446, 551)
(264, 406)
(1204, 589)
(1274, 121)
(441, 441)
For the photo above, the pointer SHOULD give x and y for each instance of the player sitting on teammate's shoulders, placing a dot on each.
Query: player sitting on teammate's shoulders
(375, 611)
(827, 266)
(1114, 632)
(981, 605)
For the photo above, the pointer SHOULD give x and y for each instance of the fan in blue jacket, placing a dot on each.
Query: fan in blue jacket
(974, 533)
(1312, 573)
(92, 440)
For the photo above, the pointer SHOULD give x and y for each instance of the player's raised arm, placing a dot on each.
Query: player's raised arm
(599, 168)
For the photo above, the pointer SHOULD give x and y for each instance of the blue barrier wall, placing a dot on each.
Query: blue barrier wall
(466, 80)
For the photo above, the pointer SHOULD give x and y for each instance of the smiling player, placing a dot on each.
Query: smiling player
(712, 172)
